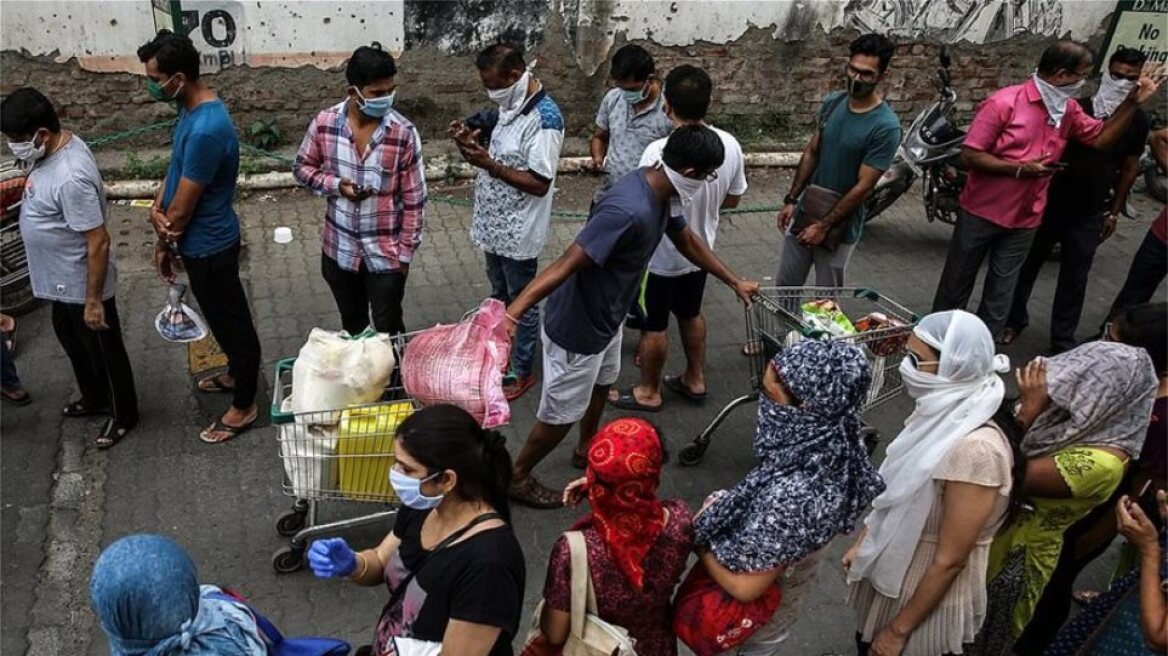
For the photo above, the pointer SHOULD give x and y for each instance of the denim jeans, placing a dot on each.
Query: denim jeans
(508, 278)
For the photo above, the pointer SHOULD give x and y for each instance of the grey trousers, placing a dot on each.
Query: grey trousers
(796, 261)
(973, 239)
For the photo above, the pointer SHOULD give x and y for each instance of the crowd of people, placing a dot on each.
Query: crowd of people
(974, 526)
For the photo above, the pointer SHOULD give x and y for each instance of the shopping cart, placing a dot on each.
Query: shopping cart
(775, 321)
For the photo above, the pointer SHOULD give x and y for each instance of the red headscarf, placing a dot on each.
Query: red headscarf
(624, 470)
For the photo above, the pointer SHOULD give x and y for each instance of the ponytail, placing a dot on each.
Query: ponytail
(1004, 420)
(446, 437)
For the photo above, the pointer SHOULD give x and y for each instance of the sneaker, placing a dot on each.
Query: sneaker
(515, 387)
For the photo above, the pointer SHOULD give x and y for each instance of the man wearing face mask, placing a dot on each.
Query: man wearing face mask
(589, 289)
(192, 214)
(513, 190)
(854, 142)
(631, 115)
(1016, 142)
(1085, 202)
(366, 158)
(70, 259)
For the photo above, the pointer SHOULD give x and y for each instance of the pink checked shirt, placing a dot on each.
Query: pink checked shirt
(383, 231)
(1014, 125)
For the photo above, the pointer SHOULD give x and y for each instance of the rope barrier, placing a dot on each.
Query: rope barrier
(448, 200)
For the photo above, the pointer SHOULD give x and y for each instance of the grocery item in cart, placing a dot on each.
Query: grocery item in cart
(827, 317)
(309, 452)
(177, 322)
(365, 448)
(890, 345)
(462, 364)
(334, 371)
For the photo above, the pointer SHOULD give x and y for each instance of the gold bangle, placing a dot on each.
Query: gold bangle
(364, 567)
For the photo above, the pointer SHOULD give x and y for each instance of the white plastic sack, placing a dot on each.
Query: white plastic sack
(334, 371)
(309, 452)
(177, 322)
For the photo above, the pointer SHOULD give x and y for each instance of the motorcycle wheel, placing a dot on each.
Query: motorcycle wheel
(16, 298)
(1156, 184)
(884, 197)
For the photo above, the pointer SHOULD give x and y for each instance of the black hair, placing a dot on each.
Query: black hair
(1129, 56)
(874, 45)
(687, 90)
(1004, 420)
(502, 58)
(693, 146)
(369, 64)
(632, 62)
(442, 437)
(1064, 55)
(173, 53)
(27, 110)
(1146, 326)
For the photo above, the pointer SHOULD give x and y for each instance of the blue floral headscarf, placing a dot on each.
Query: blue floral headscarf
(146, 594)
(814, 477)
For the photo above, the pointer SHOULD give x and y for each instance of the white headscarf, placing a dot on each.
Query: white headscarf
(962, 396)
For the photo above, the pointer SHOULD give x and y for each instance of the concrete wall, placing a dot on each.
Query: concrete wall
(771, 60)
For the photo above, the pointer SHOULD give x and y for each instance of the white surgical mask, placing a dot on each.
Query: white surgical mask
(1111, 94)
(409, 490)
(27, 151)
(1056, 98)
(685, 187)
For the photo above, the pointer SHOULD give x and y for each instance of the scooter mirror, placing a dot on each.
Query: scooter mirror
(943, 73)
(945, 60)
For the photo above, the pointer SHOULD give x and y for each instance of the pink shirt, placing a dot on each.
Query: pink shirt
(1013, 124)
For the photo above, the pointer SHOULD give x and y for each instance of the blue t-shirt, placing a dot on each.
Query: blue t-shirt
(206, 151)
(584, 313)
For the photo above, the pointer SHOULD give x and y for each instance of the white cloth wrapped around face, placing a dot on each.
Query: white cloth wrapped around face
(964, 394)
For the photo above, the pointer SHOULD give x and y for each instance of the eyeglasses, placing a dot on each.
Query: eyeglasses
(1129, 78)
(860, 74)
(916, 362)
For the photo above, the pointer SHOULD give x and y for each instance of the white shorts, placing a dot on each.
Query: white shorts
(568, 379)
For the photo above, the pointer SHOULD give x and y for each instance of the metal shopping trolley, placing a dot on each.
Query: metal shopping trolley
(775, 320)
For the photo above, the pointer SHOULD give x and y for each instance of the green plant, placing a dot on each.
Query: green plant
(264, 134)
(252, 166)
(136, 168)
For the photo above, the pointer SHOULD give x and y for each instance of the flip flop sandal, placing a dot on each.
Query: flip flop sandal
(752, 348)
(16, 397)
(79, 408)
(1084, 597)
(534, 494)
(626, 400)
(220, 427)
(1007, 337)
(517, 387)
(579, 460)
(110, 435)
(674, 384)
(214, 385)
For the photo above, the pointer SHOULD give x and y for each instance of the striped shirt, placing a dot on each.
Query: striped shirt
(383, 231)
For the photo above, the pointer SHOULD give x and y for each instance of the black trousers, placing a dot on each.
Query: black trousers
(1147, 271)
(99, 360)
(215, 283)
(1079, 238)
(358, 292)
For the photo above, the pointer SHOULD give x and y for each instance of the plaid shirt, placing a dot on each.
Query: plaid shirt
(383, 231)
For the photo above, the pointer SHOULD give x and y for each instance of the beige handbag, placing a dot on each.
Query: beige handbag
(590, 635)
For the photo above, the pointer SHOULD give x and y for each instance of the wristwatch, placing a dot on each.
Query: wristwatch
(790, 200)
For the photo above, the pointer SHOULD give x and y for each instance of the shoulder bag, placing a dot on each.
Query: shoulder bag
(817, 201)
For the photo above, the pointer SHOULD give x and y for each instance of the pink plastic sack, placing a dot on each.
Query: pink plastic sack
(462, 364)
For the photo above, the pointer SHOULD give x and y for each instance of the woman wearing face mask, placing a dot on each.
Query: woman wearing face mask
(453, 567)
(1085, 413)
(917, 570)
(812, 482)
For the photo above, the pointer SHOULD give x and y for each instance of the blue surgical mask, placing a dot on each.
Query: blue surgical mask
(409, 490)
(634, 97)
(375, 107)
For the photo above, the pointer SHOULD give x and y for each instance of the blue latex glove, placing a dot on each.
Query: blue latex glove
(331, 558)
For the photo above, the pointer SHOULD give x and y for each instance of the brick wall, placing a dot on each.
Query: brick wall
(765, 90)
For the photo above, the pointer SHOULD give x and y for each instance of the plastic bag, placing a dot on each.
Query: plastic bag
(177, 322)
(825, 316)
(309, 453)
(462, 364)
(334, 371)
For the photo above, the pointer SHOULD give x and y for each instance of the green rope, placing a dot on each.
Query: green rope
(448, 200)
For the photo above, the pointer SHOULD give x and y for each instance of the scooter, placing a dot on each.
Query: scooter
(930, 150)
(15, 286)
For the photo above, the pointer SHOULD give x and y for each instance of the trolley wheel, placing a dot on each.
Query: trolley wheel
(288, 559)
(291, 522)
(692, 454)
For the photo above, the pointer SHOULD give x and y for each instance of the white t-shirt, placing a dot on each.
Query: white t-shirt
(507, 221)
(702, 213)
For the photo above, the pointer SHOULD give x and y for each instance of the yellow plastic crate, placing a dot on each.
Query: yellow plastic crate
(365, 450)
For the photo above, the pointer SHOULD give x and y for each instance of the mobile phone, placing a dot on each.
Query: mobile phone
(1147, 501)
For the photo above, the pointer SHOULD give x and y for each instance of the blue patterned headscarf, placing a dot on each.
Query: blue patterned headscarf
(814, 477)
(145, 593)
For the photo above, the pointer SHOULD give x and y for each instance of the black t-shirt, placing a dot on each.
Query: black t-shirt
(1084, 188)
(478, 580)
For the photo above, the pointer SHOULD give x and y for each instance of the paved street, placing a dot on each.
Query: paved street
(63, 500)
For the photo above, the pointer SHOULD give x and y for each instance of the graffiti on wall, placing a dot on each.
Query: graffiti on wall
(979, 21)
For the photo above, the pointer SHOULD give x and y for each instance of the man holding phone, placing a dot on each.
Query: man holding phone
(1017, 138)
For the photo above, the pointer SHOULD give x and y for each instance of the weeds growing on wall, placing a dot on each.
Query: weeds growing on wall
(136, 168)
(264, 134)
